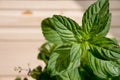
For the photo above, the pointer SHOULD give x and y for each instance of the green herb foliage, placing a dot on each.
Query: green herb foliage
(76, 52)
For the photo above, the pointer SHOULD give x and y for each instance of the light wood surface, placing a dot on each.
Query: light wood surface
(21, 35)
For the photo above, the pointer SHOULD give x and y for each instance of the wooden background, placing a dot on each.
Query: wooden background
(20, 33)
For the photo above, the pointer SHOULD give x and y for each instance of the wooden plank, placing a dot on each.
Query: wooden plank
(38, 5)
(116, 33)
(25, 34)
(18, 19)
(28, 13)
(114, 4)
(7, 78)
(13, 78)
(51, 5)
(14, 54)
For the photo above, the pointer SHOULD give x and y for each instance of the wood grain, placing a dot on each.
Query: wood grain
(21, 35)
(18, 19)
(51, 5)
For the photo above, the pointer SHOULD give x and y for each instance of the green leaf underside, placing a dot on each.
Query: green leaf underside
(49, 31)
(116, 78)
(70, 75)
(96, 20)
(65, 57)
(101, 68)
(36, 72)
(61, 28)
(105, 48)
(63, 60)
(75, 55)
(89, 76)
(59, 60)
(45, 51)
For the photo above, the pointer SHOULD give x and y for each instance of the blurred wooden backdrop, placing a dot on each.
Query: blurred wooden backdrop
(20, 33)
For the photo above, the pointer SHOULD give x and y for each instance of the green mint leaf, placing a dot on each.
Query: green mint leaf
(65, 57)
(105, 48)
(105, 28)
(116, 78)
(60, 29)
(59, 60)
(87, 74)
(96, 19)
(117, 63)
(49, 32)
(45, 51)
(102, 68)
(75, 55)
(45, 75)
(36, 72)
(72, 74)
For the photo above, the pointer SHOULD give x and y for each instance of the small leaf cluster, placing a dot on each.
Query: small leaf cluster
(75, 52)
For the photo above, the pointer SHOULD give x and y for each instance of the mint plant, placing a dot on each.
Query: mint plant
(75, 52)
